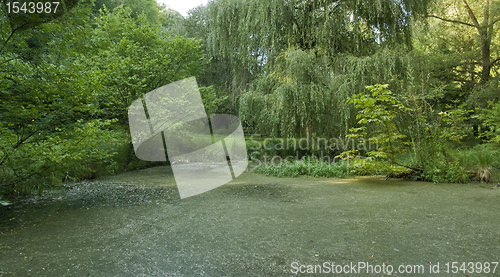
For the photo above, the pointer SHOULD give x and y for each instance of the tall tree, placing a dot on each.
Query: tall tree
(481, 16)
(132, 57)
(148, 7)
(253, 33)
(298, 54)
(47, 110)
(63, 85)
(218, 72)
(171, 21)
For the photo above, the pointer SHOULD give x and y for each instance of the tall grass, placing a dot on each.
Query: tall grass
(317, 168)
(481, 159)
(306, 166)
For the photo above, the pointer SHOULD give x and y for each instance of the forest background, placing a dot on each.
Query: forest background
(418, 77)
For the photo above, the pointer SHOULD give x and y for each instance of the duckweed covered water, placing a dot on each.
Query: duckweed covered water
(135, 224)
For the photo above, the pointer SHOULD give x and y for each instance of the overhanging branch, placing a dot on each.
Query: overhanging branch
(452, 21)
(471, 15)
(494, 21)
(495, 60)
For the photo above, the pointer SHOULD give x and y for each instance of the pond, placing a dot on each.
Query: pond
(135, 224)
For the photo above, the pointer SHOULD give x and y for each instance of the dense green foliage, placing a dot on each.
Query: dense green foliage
(441, 78)
(47, 123)
(289, 69)
(130, 58)
(66, 87)
(379, 109)
(378, 114)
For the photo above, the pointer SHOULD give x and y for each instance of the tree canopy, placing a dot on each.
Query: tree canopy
(66, 87)
(288, 68)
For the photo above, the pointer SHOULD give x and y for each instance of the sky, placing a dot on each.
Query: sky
(183, 6)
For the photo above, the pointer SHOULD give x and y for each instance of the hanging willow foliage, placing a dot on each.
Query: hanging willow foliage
(302, 59)
(308, 93)
(256, 31)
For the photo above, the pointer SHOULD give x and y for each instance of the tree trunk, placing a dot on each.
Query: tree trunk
(485, 30)
(485, 60)
(485, 33)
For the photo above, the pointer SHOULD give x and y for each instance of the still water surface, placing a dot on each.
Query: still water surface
(134, 224)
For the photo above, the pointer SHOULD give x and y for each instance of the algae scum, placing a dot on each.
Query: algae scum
(134, 224)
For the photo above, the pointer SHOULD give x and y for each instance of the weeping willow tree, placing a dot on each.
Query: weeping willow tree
(297, 62)
(307, 94)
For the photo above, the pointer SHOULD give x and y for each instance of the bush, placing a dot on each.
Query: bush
(445, 172)
(371, 166)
